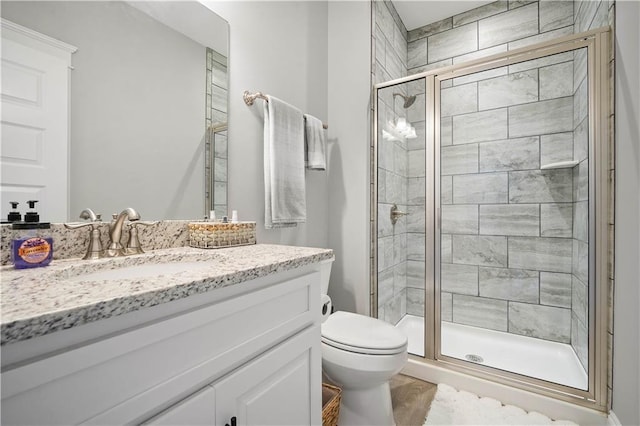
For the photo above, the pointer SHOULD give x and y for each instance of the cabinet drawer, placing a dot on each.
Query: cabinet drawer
(131, 376)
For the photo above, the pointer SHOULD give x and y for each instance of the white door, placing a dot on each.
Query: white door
(277, 388)
(35, 122)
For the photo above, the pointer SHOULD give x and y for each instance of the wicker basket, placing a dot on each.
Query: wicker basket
(330, 404)
(220, 235)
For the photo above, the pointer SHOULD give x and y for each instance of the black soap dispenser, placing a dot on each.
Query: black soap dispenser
(32, 216)
(14, 215)
(31, 219)
(31, 250)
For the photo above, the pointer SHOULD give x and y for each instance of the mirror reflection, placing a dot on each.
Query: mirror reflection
(148, 107)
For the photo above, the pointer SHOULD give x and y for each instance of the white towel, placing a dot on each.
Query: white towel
(315, 143)
(284, 185)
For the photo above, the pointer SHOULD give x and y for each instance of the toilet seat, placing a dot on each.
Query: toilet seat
(363, 335)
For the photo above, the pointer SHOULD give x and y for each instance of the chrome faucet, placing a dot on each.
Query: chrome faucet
(133, 245)
(94, 248)
(115, 232)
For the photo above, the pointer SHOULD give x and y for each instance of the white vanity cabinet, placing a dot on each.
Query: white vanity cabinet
(198, 409)
(250, 351)
(274, 389)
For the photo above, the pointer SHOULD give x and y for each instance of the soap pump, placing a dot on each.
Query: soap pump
(32, 216)
(31, 250)
(14, 215)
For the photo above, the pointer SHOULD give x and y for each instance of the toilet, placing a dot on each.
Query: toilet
(360, 354)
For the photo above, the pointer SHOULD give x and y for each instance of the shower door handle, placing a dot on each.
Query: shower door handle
(396, 214)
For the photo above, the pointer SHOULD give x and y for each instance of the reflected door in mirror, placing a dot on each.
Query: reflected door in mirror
(35, 134)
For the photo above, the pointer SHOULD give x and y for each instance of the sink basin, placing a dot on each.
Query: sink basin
(141, 271)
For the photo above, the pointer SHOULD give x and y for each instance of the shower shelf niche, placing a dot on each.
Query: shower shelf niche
(560, 165)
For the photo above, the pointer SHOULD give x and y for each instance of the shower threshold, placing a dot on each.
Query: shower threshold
(542, 359)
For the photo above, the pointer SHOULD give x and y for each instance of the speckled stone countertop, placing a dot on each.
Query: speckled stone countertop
(40, 301)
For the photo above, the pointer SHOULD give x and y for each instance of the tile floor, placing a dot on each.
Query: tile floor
(411, 399)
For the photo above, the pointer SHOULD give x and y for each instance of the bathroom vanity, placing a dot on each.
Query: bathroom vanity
(176, 336)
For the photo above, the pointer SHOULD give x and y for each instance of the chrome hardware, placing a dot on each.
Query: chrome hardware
(396, 214)
(408, 100)
(134, 246)
(115, 248)
(94, 249)
(89, 214)
(115, 232)
(249, 98)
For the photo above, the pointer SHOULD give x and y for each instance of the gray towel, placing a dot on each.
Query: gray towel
(284, 184)
(315, 143)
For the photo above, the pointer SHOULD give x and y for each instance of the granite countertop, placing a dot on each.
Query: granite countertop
(40, 301)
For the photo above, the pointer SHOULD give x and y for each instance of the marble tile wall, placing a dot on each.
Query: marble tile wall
(493, 28)
(548, 206)
(510, 223)
(507, 226)
(389, 42)
(389, 45)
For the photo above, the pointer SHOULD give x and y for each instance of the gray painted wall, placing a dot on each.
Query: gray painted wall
(349, 31)
(626, 346)
(279, 48)
(137, 108)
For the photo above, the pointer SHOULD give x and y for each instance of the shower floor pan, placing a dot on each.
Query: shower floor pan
(542, 359)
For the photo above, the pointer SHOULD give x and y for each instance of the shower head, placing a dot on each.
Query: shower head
(408, 100)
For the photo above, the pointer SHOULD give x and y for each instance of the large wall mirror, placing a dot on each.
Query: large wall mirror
(148, 105)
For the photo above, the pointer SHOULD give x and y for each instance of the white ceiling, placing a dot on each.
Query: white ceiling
(418, 13)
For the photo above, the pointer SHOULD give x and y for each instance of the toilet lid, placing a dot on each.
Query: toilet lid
(362, 334)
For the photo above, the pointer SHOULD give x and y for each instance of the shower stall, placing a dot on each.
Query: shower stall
(490, 222)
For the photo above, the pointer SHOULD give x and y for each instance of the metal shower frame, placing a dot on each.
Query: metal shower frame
(597, 43)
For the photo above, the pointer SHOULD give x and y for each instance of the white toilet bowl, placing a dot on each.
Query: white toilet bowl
(360, 354)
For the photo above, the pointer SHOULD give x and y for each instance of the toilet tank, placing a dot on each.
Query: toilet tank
(325, 273)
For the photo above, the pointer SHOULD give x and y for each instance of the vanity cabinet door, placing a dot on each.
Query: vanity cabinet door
(196, 410)
(280, 387)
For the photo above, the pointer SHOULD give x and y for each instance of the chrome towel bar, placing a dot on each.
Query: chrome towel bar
(249, 98)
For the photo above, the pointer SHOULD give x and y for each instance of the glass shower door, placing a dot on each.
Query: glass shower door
(400, 203)
(512, 242)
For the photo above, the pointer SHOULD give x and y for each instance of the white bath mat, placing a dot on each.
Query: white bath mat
(452, 407)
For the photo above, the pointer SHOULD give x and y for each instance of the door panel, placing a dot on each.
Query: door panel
(35, 107)
(275, 389)
(514, 221)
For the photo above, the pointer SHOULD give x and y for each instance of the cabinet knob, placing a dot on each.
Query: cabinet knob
(233, 421)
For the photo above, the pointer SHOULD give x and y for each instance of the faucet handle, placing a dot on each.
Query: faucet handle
(94, 248)
(85, 214)
(134, 246)
(144, 222)
(89, 214)
(77, 225)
